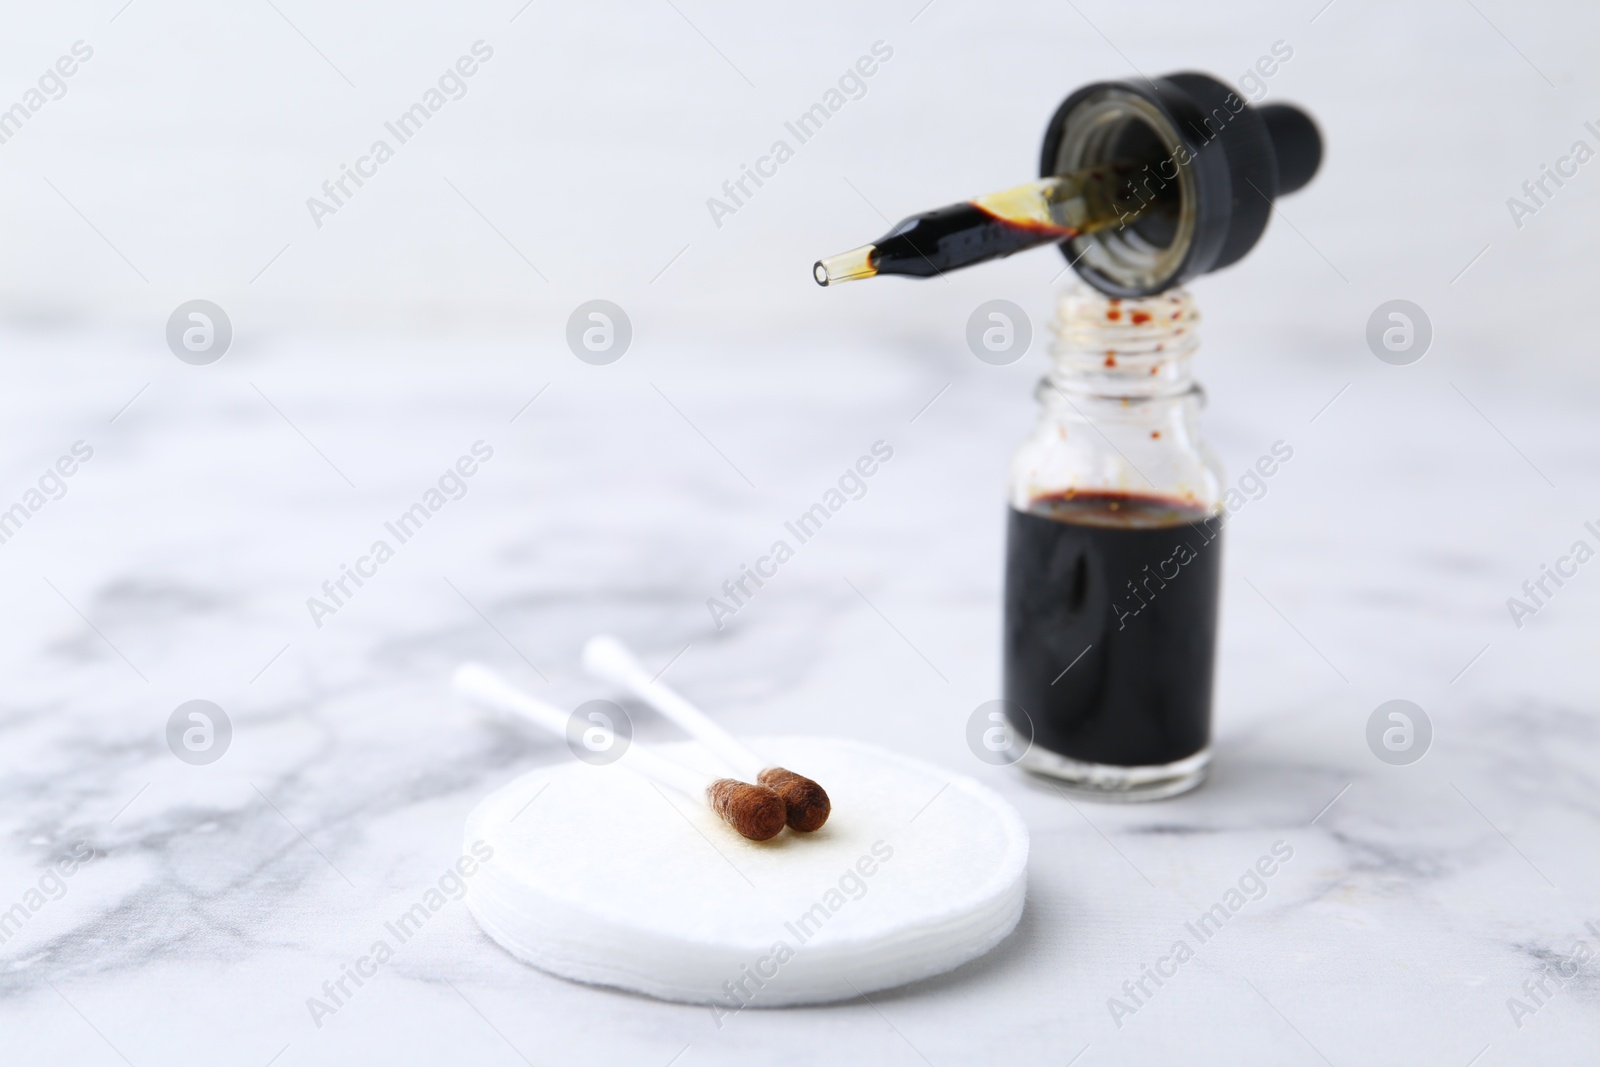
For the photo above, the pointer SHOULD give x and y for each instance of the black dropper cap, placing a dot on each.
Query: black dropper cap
(1211, 164)
(1297, 144)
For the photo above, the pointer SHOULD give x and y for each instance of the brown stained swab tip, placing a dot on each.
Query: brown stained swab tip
(756, 811)
(807, 803)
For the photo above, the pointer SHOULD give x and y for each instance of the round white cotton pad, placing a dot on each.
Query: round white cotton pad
(604, 877)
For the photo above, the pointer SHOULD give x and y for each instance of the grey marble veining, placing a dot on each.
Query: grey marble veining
(1418, 900)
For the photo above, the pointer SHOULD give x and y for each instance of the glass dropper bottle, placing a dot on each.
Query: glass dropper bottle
(1116, 506)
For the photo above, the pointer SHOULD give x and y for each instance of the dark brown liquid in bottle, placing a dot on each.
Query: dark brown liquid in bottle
(1110, 626)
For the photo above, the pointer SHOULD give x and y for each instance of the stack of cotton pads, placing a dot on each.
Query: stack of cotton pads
(600, 876)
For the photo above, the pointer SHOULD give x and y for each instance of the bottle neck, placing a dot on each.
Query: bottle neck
(1119, 409)
(1123, 350)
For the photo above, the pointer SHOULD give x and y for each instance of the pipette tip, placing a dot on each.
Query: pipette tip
(846, 266)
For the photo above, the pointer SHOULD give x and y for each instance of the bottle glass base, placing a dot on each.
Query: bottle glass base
(1106, 782)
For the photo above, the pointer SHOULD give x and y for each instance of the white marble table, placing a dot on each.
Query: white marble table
(220, 898)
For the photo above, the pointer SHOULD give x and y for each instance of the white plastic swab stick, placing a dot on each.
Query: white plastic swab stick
(608, 658)
(805, 801)
(755, 811)
(482, 686)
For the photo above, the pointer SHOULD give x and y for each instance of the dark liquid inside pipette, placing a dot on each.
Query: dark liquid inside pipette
(955, 236)
(989, 227)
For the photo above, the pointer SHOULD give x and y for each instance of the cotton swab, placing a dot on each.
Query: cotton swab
(755, 811)
(806, 803)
